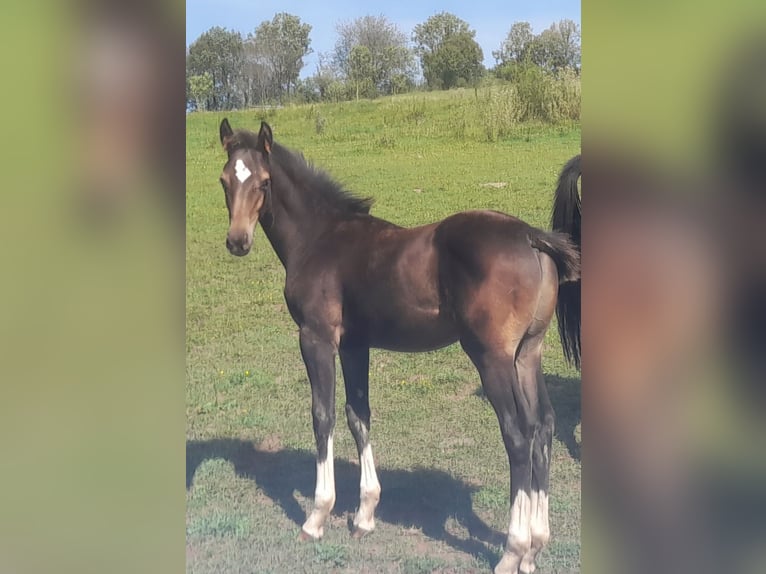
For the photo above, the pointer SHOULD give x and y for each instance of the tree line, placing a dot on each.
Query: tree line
(371, 57)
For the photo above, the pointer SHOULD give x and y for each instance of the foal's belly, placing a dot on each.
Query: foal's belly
(414, 331)
(400, 302)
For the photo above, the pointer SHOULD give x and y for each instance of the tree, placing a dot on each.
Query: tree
(401, 83)
(258, 78)
(569, 44)
(360, 70)
(557, 47)
(219, 53)
(307, 90)
(326, 74)
(387, 47)
(336, 91)
(516, 44)
(201, 89)
(432, 33)
(448, 53)
(280, 45)
(456, 62)
(554, 49)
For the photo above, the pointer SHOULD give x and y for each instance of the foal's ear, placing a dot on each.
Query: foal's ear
(225, 132)
(265, 138)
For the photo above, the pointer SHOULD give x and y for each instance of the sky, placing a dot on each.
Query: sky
(490, 18)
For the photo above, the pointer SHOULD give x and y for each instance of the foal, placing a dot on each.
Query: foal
(353, 281)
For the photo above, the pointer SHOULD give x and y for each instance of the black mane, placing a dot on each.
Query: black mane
(305, 175)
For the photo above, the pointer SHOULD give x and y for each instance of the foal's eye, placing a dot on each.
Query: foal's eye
(265, 184)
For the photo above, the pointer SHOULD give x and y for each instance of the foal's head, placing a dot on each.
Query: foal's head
(246, 181)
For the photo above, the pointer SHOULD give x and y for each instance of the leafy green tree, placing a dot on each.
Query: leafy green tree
(568, 51)
(336, 91)
(360, 70)
(456, 63)
(516, 45)
(432, 33)
(219, 53)
(557, 47)
(201, 89)
(387, 47)
(554, 49)
(326, 73)
(448, 52)
(401, 83)
(307, 91)
(279, 47)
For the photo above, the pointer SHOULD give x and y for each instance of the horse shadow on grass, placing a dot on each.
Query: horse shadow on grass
(421, 498)
(565, 394)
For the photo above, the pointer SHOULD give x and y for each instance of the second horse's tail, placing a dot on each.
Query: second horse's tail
(567, 218)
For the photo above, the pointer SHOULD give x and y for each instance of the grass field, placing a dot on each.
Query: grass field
(441, 462)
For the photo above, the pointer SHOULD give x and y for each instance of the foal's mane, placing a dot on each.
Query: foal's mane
(307, 176)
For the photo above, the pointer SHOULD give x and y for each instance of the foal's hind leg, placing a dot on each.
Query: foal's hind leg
(355, 360)
(504, 325)
(516, 413)
(529, 371)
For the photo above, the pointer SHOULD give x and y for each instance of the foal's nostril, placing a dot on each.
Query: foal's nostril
(239, 245)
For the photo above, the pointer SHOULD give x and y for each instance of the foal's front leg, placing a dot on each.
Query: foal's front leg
(319, 357)
(355, 360)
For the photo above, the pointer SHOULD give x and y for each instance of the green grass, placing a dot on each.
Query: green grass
(441, 462)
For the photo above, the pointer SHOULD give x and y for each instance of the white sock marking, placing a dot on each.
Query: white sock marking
(324, 495)
(539, 524)
(369, 481)
(242, 172)
(538, 528)
(369, 490)
(519, 537)
(521, 514)
(325, 490)
(518, 543)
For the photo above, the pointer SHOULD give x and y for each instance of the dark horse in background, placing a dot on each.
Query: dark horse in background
(353, 281)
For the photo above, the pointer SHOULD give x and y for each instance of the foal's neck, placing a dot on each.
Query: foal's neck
(290, 223)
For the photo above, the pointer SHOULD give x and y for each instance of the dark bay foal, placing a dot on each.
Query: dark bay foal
(353, 281)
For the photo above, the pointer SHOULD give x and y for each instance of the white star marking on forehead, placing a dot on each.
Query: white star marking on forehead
(242, 172)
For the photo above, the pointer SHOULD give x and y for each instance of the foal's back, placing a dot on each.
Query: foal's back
(413, 289)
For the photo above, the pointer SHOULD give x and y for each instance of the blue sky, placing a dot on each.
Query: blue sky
(490, 18)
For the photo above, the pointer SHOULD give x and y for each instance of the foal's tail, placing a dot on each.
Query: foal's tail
(567, 219)
(562, 250)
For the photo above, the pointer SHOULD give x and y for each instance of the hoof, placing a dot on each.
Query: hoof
(508, 565)
(528, 565)
(358, 533)
(306, 537)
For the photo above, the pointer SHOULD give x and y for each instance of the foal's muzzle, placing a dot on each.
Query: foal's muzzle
(239, 245)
